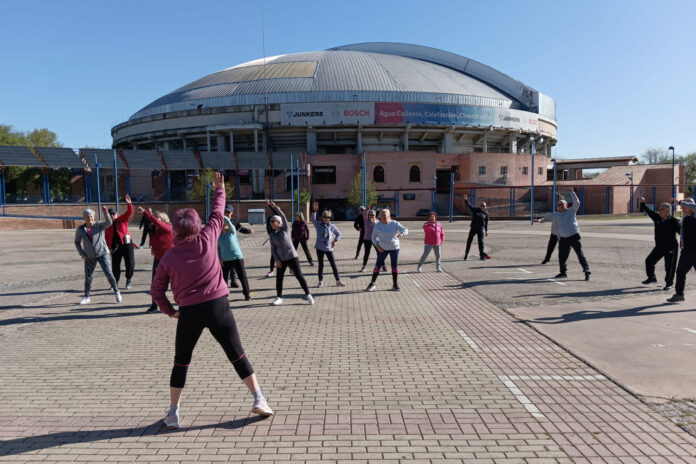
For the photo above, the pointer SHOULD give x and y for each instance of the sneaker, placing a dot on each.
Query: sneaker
(247, 297)
(668, 287)
(418, 268)
(320, 284)
(128, 284)
(545, 261)
(171, 420)
(487, 257)
(310, 299)
(278, 301)
(340, 283)
(85, 300)
(466, 257)
(649, 280)
(234, 284)
(396, 288)
(483, 258)
(311, 264)
(119, 298)
(561, 275)
(676, 298)
(356, 256)
(363, 269)
(152, 308)
(370, 287)
(261, 408)
(270, 274)
(587, 276)
(439, 269)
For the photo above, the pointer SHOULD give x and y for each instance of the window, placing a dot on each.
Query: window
(409, 196)
(414, 174)
(244, 177)
(525, 170)
(323, 174)
(378, 174)
(503, 170)
(541, 171)
(482, 170)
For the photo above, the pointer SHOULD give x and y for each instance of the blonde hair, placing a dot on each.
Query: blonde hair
(162, 216)
(300, 216)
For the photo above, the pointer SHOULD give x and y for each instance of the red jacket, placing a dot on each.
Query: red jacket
(163, 237)
(434, 235)
(121, 226)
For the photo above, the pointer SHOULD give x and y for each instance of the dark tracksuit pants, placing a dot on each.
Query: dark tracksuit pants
(361, 241)
(669, 254)
(330, 257)
(127, 253)
(368, 249)
(553, 240)
(564, 246)
(229, 268)
(687, 260)
(146, 231)
(295, 243)
(475, 233)
(294, 265)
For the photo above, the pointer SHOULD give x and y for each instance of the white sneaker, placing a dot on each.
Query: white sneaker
(261, 408)
(320, 284)
(439, 269)
(85, 300)
(310, 299)
(278, 301)
(418, 269)
(363, 269)
(270, 274)
(370, 287)
(340, 283)
(119, 298)
(171, 420)
(128, 284)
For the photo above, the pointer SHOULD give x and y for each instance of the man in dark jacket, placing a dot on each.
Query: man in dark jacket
(145, 226)
(666, 246)
(479, 227)
(359, 225)
(687, 243)
(229, 212)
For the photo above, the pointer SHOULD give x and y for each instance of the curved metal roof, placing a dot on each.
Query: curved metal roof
(361, 72)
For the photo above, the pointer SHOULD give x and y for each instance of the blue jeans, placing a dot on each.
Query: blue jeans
(382, 258)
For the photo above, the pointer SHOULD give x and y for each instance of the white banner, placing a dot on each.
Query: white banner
(516, 119)
(320, 114)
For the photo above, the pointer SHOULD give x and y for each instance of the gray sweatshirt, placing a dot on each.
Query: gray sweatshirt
(385, 235)
(566, 221)
(326, 234)
(281, 243)
(554, 224)
(97, 246)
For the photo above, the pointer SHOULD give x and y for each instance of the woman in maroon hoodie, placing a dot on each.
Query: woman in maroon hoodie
(193, 269)
(161, 240)
(300, 235)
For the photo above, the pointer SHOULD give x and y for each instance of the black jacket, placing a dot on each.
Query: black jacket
(479, 218)
(359, 222)
(239, 227)
(688, 235)
(665, 229)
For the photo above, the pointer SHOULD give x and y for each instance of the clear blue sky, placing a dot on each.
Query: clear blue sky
(623, 73)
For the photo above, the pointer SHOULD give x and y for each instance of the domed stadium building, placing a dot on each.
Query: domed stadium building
(413, 113)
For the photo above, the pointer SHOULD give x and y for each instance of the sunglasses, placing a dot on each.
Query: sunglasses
(326, 217)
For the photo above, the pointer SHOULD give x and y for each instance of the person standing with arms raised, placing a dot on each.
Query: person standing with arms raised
(479, 227)
(161, 241)
(667, 227)
(120, 243)
(193, 269)
(229, 214)
(687, 243)
(385, 238)
(231, 255)
(569, 235)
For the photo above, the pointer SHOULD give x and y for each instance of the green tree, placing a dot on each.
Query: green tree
(656, 156)
(198, 188)
(355, 192)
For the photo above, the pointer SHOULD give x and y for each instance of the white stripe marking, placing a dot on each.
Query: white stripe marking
(467, 339)
(556, 377)
(555, 281)
(533, 410)
(689, 330)
(524, 270)
(416, 283)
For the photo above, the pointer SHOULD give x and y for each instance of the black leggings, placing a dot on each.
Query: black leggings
(155, 263)
(361, 242)
(368, 248)
(272, 264)
(229, 268)
(126, 253)
(475, 233)
(330, 256)
(294, 265)
(304, 247)
(217, 317)
(553, 240)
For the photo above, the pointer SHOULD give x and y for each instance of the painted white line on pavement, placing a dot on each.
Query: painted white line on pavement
(556, 377)
(468, 339)
(524, 270)
(416, 283)
(689, 330)
(533, 410)
(555, 281)
(522, 348)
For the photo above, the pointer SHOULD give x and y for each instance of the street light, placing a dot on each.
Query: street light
(434, 193)
(553, 194)
(674, 192)
(630, 177)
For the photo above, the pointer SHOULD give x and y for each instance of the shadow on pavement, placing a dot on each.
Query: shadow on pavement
(587, 315)
(606, 292)
(68, 317)
(50, 440)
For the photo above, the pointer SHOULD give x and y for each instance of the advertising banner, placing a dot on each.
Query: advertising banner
(421, 113)
(320, 114)
(516, 119)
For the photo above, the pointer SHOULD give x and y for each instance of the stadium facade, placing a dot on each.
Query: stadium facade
(415, 113)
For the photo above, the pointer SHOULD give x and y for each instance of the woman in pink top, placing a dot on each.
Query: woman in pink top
(193, 269)
(434, 236)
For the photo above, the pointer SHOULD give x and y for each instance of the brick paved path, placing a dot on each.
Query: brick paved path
(433, 373)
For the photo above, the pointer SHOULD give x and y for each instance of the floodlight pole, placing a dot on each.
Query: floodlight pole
(674, 190)
(115, 181)
(553, 193)
(531, 192)
(292, 186)
(364, 181)
(451, 198)
(97, 165)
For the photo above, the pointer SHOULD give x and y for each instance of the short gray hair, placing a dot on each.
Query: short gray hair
(87, 211)
(276, 218)
(666, 205)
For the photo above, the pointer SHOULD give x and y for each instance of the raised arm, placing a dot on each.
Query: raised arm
(155, 220)
(576, 201)
(649, 211)
(158, 290)
(313, 216)
(230, 226)
(107, 222)
(125, 217)
(279, 212)
(214, 225)
(547, 218)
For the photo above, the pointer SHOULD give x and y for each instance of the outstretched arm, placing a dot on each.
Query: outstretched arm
(279, 212)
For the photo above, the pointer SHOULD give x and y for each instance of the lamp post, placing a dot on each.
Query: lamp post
(531, 191)
(630, 177)
(553, 191)
(98, 165)
(434, 206)
(674, 190)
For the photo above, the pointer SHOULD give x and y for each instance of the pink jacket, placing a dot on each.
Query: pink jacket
(192, 266)
(434, 235)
